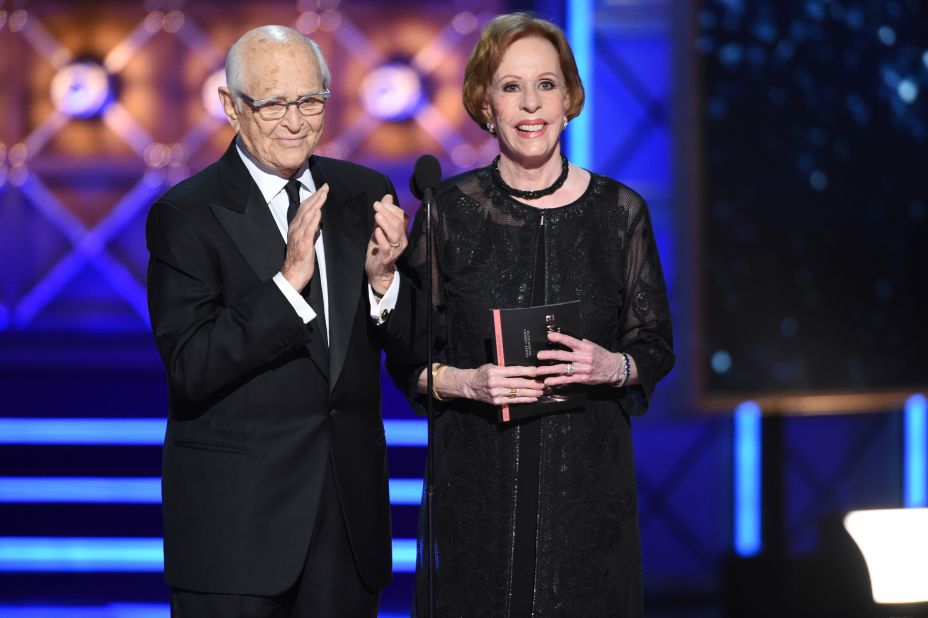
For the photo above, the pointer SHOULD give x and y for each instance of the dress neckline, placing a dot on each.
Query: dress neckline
(494, 190)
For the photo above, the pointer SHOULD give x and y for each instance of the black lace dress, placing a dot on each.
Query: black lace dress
(580, 556)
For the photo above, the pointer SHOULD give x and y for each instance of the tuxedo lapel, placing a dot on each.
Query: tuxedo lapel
(344, 234)
(248, 221)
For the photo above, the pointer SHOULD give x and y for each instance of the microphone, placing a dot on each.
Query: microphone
(425, 178)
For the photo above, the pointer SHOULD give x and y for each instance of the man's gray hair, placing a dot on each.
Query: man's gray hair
(277, 35)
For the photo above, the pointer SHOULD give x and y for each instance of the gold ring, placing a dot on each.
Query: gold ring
(394, 244)
(513, 393)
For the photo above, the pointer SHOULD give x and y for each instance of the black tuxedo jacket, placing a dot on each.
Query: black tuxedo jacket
(257, 407)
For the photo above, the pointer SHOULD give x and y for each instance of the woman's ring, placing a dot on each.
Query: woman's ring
(570, 369)
(513, 393)
(394, 244)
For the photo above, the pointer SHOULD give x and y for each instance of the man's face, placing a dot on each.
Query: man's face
(277, 71)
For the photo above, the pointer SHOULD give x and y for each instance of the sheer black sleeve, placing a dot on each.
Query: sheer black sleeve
(644, 316)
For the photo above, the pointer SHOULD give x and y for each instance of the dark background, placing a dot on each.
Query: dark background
(814, 215)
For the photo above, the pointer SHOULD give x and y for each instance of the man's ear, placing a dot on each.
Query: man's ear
(228, 106)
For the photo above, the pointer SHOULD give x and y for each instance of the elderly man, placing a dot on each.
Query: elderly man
(272, 291)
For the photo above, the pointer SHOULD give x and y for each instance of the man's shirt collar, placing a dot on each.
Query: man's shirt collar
(271, 183)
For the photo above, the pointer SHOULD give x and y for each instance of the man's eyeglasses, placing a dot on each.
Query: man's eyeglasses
(275, 109)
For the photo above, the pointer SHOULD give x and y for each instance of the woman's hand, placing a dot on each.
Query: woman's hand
(487, 383)
(501, 385)
(589, 363)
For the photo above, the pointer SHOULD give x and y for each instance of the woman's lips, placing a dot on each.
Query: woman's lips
(532, 128)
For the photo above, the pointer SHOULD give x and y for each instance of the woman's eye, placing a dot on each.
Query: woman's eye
(510, 88)
(546, 85)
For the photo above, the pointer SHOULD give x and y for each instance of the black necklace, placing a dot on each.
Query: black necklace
(529, 195)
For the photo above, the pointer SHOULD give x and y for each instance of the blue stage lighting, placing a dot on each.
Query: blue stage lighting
(405, 491)
(747, 479)
(125, 555)
(82, 490)
(53, 554)
(123, 431)
(579, 31)
(406, 433)
(113, 610)
(137, 431)
(916, 451)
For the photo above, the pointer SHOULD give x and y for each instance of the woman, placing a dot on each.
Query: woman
(538, 517)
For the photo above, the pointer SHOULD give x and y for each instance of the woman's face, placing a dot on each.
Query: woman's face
(527, 102)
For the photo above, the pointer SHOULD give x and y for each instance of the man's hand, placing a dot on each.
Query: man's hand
(386, 245)
(300, 261)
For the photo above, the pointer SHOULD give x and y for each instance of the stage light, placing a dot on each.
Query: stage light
(145, 490)
(580, 19)
(81, 89)
(392, 92)
(915, 476)
(80, 490)
(721, 362)
(330, 21)
(17, 20)
(209, 94)
(146, 431)
(406, 491)
(119, 555)
(464, 22)
(81, 431)
(747, 420)
(173, 21)
(308, 22)
(18, 154)
(894, 543)
(112, 610)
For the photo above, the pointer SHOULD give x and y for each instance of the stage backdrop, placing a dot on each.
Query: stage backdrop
(105, 104)
(814, 212)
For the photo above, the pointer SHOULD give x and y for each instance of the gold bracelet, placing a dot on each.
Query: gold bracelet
(435, 371)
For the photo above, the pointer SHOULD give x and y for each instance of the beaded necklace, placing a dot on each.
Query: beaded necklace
(529, 195)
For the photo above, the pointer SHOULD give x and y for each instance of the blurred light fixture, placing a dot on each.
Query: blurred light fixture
(465, 22)
(81, 89)
(747, 453)
(209, 95)
(392, 91)
(137, 431)
(894, 543)
(916, 451)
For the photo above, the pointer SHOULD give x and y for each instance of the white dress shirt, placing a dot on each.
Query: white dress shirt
(272, 189)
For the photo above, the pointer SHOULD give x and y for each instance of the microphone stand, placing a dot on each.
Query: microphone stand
(426, 177)
(428, 195)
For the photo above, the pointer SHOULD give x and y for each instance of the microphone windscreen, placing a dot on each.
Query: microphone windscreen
(427, 175)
